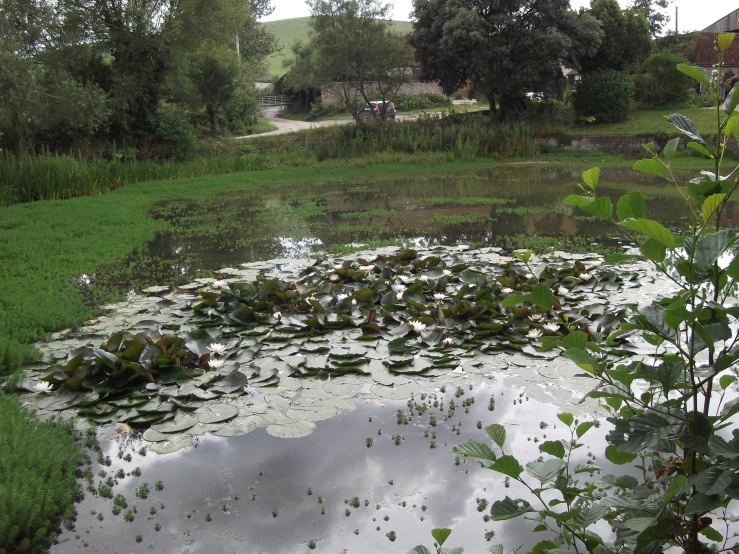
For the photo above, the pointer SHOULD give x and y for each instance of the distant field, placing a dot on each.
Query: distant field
(289, 31)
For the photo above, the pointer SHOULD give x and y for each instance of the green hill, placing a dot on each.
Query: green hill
(289, 31)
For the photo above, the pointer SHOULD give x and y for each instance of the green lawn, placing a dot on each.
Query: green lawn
(649, 122)
(289, 31)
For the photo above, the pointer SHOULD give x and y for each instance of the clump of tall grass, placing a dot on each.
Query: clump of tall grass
(49, 176)
(38, 486)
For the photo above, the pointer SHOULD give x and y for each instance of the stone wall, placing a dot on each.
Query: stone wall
(631, 145)
(409, 88)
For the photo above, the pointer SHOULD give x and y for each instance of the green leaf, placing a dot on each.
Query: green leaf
(645, 431)
(650, 165)
(575, 200)
(676, 486)
(700, 149)
(507, 465)
(541, 295)
(615, 456)
(555, 448)
(713, 480)
(719, 447)
(654, 251)
(514, 299)
(583, 428)
(618, 258)
(711, 204)
(545, 471)
(652, 229)
(731, 101)
(496, 549)
(630, 206)
(701, 503)
(712, 246)
(732, 127)
(509, 508)
(591, 177)
(723, 41)
(456, 550)
(697, 73)
(544, 545)
(684, 125)
(440, 535)
(710, 533)
(670, 148)
(583, 360)
(601, 207)
(479, 451)
(726, 380)
(566, 418)
(497, 433)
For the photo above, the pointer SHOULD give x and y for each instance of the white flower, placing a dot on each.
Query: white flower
(506, 290)
(417, 325)
(368, 268)
(535, 317)
(354, 301)
(553, 327)
(439, 297)
(334, 277)
(595, 263)
(217, 349)
(529, 275)
(463, 247)
(399, 289)
(534, 334)
(342, 297)
(405, 278)
(562, 291)
(216, 363)
(448, 341)
(277, 316)
(419, 340)
(446, 273)
(42, 387)
(585, 276)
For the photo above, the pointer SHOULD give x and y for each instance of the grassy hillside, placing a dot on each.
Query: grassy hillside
(289, 31)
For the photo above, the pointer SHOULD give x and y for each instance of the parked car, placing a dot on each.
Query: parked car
(376, 107)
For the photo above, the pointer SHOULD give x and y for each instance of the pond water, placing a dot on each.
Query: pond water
(415, 484)
(509, 207)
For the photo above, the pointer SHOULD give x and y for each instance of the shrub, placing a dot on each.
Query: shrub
(605, 95)
(174, 128)
(37, 479)
(424, 101)
(660, 83)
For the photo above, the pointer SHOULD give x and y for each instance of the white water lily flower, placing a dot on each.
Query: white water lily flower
(405, 278)
(535, 317)
(277, 316)
(439, 297)
(553, 327)
(534, 334)
(342, 297)
(354, 301)
(368, 268)
(562, 291)
(217, 349)
(419, 340)
(595, 263)
(585, 276)
(399, 289)
(448, 341)
(334, 277)
(417, 325)
(464, 247)
(219, 284)
(42, 387)
(506, 290)
(446, 273)
(216, 363)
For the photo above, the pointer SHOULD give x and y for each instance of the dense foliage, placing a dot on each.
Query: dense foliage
(38, 486)
(669, 409)
(659, 82)
(605, 96)
(81, 70)
(505, 49)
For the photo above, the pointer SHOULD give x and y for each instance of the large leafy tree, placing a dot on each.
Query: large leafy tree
(655, 13)
(352, 52)
(504, 47)
(626, 41)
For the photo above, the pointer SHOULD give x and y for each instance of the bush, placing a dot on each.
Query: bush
(37, 479)
(660, 83)
(174, 128)
(605, 95)
(548, 116)
(424, 101)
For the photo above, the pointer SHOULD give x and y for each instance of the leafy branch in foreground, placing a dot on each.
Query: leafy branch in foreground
(670, 417)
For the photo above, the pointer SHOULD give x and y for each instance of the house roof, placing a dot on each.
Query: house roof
(704, 55)
(727, 24)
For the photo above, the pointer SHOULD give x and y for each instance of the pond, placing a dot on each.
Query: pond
(373, 445)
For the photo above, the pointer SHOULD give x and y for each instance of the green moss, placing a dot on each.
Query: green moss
(37, 479)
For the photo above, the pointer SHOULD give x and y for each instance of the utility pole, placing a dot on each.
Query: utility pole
(237, 38)
(237, 48)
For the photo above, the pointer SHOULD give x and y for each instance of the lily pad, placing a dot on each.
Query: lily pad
(174, 444)
(215, 413)
(292, 431)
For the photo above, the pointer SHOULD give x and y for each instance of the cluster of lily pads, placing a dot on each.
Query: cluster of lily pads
(391, 316)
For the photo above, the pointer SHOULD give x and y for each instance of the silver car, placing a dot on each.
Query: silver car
(375, 106)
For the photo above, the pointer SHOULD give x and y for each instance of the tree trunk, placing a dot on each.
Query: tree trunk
(212, 118)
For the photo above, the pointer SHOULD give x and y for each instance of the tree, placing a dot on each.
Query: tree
(352, 52)
(626, 41)
(504, 47)
(652, 11)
